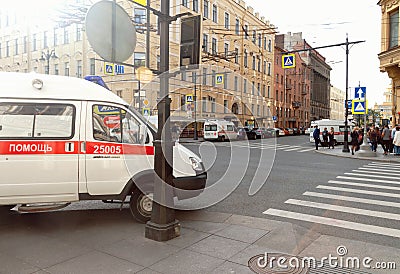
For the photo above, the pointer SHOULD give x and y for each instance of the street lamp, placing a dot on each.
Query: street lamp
(46, 57)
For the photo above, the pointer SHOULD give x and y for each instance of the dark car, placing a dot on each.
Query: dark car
(245, 132)
(272, 133)
(296, 131)
(261, 132)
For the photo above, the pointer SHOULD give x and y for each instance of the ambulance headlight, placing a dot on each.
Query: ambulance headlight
(197, 165)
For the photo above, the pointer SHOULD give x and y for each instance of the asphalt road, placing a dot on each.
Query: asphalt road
(295, 184)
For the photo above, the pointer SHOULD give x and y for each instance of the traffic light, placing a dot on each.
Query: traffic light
(190, 41)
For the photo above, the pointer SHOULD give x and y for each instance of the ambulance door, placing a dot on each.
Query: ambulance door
(39, 146)
(116, 148)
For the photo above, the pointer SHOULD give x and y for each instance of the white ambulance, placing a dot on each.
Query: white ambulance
(220, 130)
(64, 139)
(338, 129)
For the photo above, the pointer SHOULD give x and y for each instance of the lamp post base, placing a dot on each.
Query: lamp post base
(162, 232)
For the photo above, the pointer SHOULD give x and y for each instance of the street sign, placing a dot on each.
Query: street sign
(288, 61)
(359, 107)
(349, 104)
(119, 69)
(141, 2)
(219, 78)
(109, 68)
(189, 98)
(146, 101)
(146, 111)
(359, 93)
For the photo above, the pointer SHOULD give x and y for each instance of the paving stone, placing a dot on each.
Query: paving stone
(242, 233)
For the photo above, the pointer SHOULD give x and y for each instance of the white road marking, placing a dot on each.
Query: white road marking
(334, 222)
(352, 199)
(379, 169)
(364, 185)
(360, 191)
(369, 180)
(345, 209)
(369, 175)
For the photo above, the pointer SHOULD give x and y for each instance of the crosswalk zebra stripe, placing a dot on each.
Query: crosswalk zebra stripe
(345, 209)
(305, 150)
(334, 222)
(364, 185)
(368, 180)
(360, 191)
(369, 175)
(374, 171)
(381, 166)
(351, 199)
(391, 164)
(379, 169)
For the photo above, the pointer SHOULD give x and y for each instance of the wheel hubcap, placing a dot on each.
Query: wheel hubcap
(146, 203)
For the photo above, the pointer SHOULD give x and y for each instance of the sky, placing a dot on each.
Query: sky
(325, 23)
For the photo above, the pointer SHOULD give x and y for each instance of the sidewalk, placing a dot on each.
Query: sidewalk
(337, 151)
(110, 241)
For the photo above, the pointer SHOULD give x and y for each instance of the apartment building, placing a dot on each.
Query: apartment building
(235, 42)
(389, 57)
(337, 104)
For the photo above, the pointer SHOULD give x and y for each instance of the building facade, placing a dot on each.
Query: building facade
(319, 73)
(338, 98)
(389, 57)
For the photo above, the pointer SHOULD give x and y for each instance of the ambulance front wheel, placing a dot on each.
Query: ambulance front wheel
(141, 204)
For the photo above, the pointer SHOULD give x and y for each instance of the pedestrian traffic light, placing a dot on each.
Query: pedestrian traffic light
(190, 41)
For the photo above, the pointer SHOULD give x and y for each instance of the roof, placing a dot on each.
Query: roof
(20, 85)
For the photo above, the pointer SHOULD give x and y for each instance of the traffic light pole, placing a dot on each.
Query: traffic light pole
(163, 226)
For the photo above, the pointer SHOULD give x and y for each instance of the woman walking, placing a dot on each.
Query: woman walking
(354, 140)
(331, 137)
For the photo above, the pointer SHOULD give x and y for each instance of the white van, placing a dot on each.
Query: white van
(220, 130)
(64, 139)
(338, 129)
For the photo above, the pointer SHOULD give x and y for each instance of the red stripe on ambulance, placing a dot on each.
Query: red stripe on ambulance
(38, 147)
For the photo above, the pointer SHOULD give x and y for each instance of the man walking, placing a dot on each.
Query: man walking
(316, 137)
(386, 140)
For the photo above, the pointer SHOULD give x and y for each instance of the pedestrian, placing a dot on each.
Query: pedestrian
(360, 132)
(325, 137)
(317, 140)
(392, 136)
(396, 141)
(373, 138)
(386, 137)
(354, 140)
(331, 137)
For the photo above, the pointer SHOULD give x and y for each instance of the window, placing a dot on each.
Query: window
(269, 91)
(214, 46)
(254, 36)
(25, 44)
(55, 37)
(237, 27)
(254, 63)
(8, 49)
(204, 76)
(263, 91)
(66, 68)
(235, 83)
(225, 81)
(56, 70)
(225, 106)
(139, 59)
(66, 36)
(394, 29)
(213, 78)
(215, 14)
(260, 40)
(140, 17)
(45, 40)
(36, 121)
(16, 46)
(226, 20)
(185, 3)
(246, 31)
(270, 45)
(79, 68)
(245, 58)
(265, 67)
(78, 32)
(34, 42)
(226, 49)
(213, 105)
(244, 85)
(107, 126)
(204, 104)
(265, 42)
(269, 69)
(205, 42)
(92, 66)
(253, 87)
(236, 56)
(205, 9)
(196, 5)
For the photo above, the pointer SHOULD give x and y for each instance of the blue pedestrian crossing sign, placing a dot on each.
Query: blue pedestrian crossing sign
(288, 61)
(189, 98)
(146, 111)
(359, 93)
(359, 107)
(219, 79)
(109, 68)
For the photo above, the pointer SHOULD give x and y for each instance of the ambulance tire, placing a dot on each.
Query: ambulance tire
(141, 203)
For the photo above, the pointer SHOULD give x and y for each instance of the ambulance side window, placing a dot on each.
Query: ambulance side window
(107, 121)
(36, 121)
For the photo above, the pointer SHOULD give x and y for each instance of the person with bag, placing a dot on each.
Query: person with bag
(331, 137)
(373, 138)
(317, 140)
(325, 137)
(354, 140)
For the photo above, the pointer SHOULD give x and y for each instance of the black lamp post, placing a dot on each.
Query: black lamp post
(46, 57)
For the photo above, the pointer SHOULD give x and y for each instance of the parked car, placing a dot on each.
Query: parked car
(272, 132)
(302, 130)
(296, 131)
(280, 131)
(289, 130)
(261, 132)
(245, 132)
